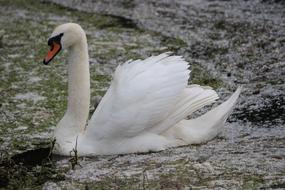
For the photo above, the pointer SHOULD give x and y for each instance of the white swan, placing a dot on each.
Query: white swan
(143, 110)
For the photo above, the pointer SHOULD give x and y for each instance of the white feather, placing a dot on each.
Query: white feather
(142, 94)
(205, 127)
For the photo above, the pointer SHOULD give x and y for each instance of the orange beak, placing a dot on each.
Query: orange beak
(54, 49)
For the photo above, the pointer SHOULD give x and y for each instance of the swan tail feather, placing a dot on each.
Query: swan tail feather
(193, 98)
(207, 126)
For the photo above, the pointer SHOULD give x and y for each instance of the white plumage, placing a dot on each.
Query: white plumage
(143, 110)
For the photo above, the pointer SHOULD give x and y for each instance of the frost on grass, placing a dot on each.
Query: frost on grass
(32, 96)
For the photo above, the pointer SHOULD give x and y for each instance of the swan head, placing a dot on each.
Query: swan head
(63, 37)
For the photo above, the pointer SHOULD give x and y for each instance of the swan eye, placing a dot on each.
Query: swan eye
(56, 38)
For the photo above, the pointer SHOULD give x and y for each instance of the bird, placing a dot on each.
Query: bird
(145, 109)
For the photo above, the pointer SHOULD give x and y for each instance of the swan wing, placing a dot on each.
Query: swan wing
(142, 94)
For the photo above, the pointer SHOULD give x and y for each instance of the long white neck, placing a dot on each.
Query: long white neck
(78, 82)
(77, 112)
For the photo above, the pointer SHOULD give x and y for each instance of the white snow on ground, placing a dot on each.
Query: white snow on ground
(30, 96)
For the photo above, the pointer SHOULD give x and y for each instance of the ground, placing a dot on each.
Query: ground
(228, 44)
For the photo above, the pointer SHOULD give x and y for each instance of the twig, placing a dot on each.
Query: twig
(74, 159)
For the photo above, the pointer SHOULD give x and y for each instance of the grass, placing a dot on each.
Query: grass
(26, 124)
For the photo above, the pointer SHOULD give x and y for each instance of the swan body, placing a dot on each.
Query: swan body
(144, 109)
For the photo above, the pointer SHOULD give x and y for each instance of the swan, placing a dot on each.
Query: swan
(144, 109)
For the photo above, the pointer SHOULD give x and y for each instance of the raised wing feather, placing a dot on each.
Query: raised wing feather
(141, 95)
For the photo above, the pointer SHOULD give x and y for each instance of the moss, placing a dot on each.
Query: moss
(220, 24)
(21, 176)
(173, 44)
(252, 182)
(200, 76)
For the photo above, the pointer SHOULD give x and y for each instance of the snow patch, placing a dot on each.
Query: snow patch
(20, 128)
(34, 79)
(30, 96)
